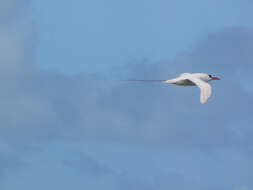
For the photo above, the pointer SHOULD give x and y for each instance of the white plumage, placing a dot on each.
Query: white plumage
(199, 79)
(192, 79)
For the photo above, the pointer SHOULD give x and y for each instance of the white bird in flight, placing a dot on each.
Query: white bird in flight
(192, 79)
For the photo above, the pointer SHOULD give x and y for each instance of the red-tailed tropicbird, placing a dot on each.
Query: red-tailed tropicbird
(192, 79)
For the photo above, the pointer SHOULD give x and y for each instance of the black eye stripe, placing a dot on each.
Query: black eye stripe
(210, 76)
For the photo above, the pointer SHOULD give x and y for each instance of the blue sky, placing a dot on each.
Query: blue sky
(97, 35)
(66, 123)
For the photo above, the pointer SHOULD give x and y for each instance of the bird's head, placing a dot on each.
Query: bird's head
(213, 77)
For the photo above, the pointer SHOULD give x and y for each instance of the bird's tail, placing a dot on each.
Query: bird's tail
(145, 80)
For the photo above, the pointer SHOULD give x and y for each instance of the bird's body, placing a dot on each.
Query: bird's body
(195, 79)
(192, 79)
(184, 79)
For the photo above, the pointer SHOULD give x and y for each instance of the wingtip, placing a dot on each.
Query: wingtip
(203, 101)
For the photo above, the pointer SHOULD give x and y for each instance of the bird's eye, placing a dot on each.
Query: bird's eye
(210, 76)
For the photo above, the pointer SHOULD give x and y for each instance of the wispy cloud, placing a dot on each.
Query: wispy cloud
(51, 104)
(17, 36)
(39, 107)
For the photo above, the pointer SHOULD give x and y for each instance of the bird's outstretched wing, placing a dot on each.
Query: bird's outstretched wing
(205, 88)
